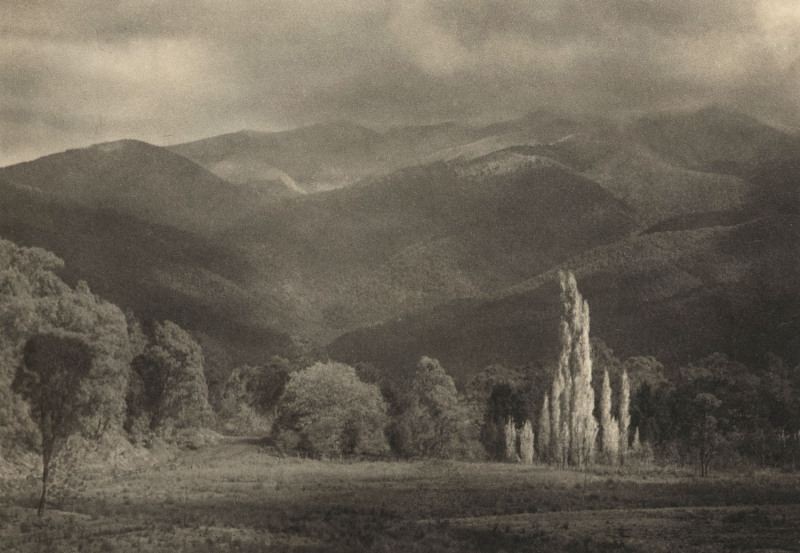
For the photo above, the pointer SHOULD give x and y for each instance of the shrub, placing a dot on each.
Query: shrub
(327, 410)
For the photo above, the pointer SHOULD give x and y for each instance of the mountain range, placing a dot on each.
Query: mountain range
(441, 240)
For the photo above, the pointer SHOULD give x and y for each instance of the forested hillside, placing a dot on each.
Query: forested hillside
(444, 236)
(426, 235)
(156, 271)
(677, 295)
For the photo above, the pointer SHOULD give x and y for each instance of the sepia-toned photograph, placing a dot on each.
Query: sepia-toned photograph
(399, 276)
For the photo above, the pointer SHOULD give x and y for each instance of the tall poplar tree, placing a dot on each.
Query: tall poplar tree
(511, 440)
(543, 436)
(526, 438)
(609, 426)
(574, 428)
(624, 416)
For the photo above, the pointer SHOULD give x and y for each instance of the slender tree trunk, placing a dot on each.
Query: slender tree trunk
(48, 445)
(705, 460)
(702, 461)
(45, 475)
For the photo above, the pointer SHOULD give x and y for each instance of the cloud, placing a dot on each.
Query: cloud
(84, 71)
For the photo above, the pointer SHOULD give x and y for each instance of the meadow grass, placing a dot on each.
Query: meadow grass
(236, 496)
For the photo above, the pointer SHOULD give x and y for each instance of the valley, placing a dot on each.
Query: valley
(237, 496)
(368, 276)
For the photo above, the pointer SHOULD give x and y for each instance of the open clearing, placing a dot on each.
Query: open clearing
(234, 496)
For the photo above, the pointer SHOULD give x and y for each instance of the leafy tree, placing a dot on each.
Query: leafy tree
(643, 370)
(651, 414)
(435, 422)
(608, 424)
(500, 393)
(248, 399)
(715, 404)
(326, 410)
(175, 394)
(33, 300)
(504, 403)
(237, 398)
(259, 388)
(481, 386)
(51, 378)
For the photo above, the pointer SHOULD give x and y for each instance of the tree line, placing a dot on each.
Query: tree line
(72, 363)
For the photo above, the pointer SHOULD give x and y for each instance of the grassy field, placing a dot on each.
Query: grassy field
(234, 496)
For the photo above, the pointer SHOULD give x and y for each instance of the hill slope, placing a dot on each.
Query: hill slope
(675, 295)
(141, 180)
(156, 271)
(425, 235)
(499, 207)
(717, 273)
(713, 140)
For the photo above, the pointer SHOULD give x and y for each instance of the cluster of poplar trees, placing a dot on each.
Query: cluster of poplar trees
(568, 432)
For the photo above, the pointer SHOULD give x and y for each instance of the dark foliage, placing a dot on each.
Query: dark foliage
(54, 366)
(434, 421)
(718, 408)
(171, 385)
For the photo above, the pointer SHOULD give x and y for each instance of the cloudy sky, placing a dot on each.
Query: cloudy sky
(77, 72)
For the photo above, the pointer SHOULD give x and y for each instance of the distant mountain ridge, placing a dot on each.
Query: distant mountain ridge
(713, 139)
(319, 157)
(436, 239)
(141, 180)
(337, 154)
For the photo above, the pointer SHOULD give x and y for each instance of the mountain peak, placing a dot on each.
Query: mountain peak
(122, 144)
(138, 179)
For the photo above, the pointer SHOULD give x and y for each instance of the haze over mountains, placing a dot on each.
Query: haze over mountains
(440, 240)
